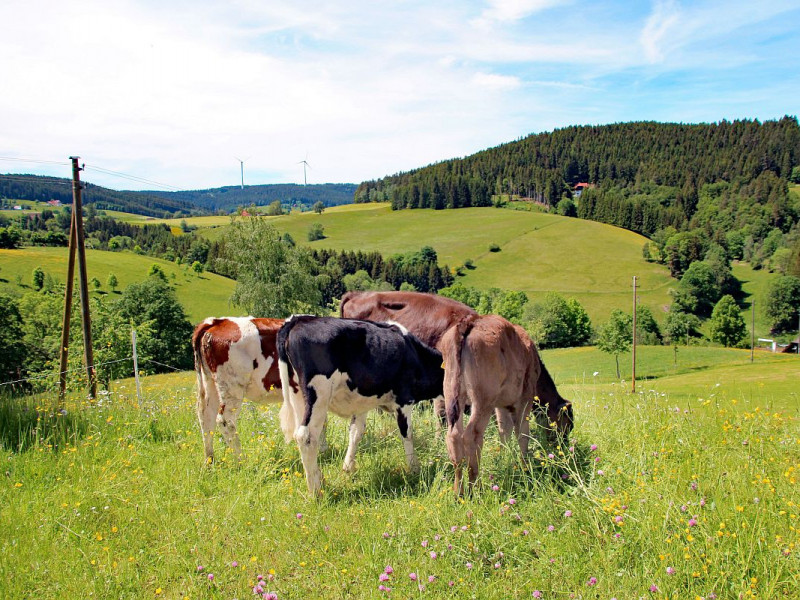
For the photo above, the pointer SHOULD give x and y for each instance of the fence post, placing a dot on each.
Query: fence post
(136, 369)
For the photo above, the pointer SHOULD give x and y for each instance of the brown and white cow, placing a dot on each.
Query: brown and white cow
(234, 357)
(429, 316)
(492, 365)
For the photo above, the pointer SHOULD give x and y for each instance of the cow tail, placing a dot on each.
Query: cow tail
(452, 355)
(287, 416)
(197, 347)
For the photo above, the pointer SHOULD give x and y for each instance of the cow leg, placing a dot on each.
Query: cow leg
(357, 426)
(440, 412)
(523, 429)
(228, 414)
(312, 420)
(207, 407)
(505, 423)
(404, 423)
(473, 440)
(455, 448)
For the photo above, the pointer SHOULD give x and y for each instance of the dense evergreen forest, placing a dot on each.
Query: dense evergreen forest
(42, 189)
(644, 176)
(228, 198)
(170, 204)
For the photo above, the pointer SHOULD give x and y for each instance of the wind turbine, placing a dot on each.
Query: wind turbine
(241, 163)
(305, 164)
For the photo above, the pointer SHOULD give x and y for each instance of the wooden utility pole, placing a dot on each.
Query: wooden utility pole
(752, 328)
(77, 244)
(64, 351)
(633, 368)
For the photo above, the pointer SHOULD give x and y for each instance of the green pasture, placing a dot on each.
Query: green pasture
(29, 207)
(590, 261)
(755, 284)
(131, 218)
(689, 373)
(687, 489)
(201, 295)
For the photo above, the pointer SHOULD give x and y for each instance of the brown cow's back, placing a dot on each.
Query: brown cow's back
(427, 316)
(491, 360)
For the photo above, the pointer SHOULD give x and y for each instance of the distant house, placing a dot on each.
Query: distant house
(54, 202)
(579, 187)
(17, 207)
(245, 213)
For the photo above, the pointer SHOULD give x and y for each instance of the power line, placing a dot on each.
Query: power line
(130, 177)
(103, 170)
(34, 160)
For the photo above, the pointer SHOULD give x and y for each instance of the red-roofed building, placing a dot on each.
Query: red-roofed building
(579, 187)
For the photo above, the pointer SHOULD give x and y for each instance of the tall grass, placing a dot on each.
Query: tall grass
(687, 499)
(27, 423)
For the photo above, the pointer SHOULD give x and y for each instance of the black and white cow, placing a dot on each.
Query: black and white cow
(350, 367)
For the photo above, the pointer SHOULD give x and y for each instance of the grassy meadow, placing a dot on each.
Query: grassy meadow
(539, 252)
(201, 295)
(687, 489)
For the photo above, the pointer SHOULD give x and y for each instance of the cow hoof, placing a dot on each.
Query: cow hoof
(349, 467)
(414, 468)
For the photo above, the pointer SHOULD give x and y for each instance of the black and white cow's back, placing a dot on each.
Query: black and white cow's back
(350, 367)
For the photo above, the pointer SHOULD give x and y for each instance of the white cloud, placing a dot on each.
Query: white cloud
(655, 34)
(496, 82)
(514, 10)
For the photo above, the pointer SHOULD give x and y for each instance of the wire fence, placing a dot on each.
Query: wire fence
(54, 375)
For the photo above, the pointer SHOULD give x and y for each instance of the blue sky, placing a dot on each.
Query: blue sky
(173, 91)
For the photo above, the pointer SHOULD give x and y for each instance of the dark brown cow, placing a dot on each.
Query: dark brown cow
(234, 357)
(428, 317)
(493, 366)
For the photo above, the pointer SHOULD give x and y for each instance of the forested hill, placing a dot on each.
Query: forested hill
(229, 198)
(156, 203)
(43, 189)
(666, 162)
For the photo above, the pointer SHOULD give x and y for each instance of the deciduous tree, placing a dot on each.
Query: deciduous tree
(783, 303)
(615, 336)
(273, 279)
(727, 326)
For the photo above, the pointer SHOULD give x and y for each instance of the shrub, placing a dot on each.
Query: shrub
(316, 232)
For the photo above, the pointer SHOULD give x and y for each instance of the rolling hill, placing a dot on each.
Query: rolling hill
(590, 261)
(201, 296)
(157, 203)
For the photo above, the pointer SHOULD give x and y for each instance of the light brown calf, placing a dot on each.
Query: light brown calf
(492, 365)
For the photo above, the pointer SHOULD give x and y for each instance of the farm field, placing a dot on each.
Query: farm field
(201, 296)
(28, 207)
(687, 489)
(590, 261)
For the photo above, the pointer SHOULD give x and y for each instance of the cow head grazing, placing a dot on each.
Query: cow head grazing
(555, 418)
